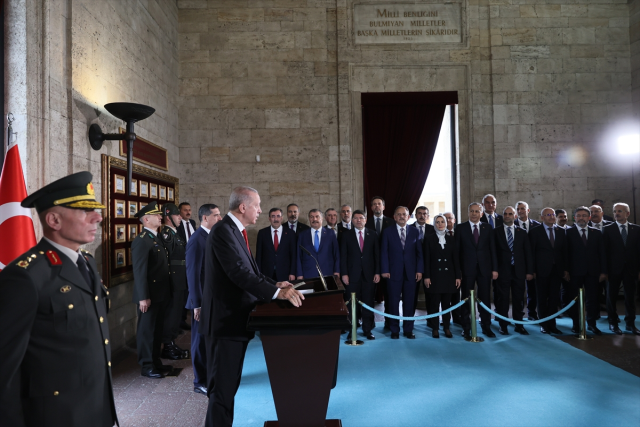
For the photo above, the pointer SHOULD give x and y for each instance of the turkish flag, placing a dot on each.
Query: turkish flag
(16, 224)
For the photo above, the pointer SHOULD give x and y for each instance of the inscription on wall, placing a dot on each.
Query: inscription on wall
(407, 23)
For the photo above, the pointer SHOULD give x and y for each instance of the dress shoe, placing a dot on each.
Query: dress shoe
(503, 330)
(555, 330)
(466, 335)
(435, 333)
(543, 330)
(448, 334)
(370, 336)
(151, 373)
(185, 326)
(521, 330)
(200, 389)
(633, 330)
(488, 332)
(615, 329)
(165, 369)
(595, 330)
(411, 336)
(395, 336)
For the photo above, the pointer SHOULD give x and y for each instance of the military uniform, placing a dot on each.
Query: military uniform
(176, 248)
(151, 281)
(56, 354)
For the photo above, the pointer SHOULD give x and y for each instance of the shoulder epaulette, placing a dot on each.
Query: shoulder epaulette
(33, 256)
(87, 253)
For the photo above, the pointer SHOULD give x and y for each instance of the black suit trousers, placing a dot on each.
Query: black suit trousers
(198, 354)
(484, 294)
(149, 334)
(509, 287)
(628, 282)
(173, 317)
(365, 291)
(548, 292)
(435, 300)
(455, 314)
(590, 284)
(224, 372)
(532, 298)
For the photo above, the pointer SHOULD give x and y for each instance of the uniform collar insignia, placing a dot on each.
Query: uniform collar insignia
(65, 289)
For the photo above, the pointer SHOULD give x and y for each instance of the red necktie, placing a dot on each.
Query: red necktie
(246, 239)
(275, 240)
(450, 233)
(361, 242)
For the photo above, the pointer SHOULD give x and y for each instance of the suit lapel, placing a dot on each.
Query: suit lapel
(242, 243)
(70, 273)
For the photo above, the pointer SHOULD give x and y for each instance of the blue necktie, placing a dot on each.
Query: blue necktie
(316, 243)
(510, 242)
(421, 237)
(491, 221)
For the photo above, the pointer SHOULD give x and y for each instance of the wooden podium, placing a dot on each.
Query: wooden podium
(301, 349)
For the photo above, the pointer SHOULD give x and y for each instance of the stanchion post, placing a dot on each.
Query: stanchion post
(582, 333)
(474, 326)
(354, 323)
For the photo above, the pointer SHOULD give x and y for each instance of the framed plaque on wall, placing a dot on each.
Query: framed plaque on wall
(119, 226)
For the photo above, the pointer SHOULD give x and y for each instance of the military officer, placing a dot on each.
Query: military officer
(176, 248)
(151, 291)
(56, 355)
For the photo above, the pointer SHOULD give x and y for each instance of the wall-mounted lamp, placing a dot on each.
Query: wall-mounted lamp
(129, 113)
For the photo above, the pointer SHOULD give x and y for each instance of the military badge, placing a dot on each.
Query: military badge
(54, 258)
(23, 264)
(65, 289)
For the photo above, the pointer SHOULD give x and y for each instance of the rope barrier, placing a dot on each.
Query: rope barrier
(531, 322)
(428, 316)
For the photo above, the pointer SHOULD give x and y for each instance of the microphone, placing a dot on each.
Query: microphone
(317, 266)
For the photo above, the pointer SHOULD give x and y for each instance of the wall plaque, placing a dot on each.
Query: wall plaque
(407, 23)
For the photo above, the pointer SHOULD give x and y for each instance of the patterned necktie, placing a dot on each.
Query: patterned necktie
(421, 232)
(623, 233)
(491, 221)
(316, 243)
(348, 226)
(246, 239)
(83, 268)
(275, 240)
(476, 233)
(510, 242)
(584, 237)
(551, 238)
(402, 237)
(378, 230)
(293, 228)
(361, 241)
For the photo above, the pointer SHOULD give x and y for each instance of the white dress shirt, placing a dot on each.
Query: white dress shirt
(400, 232)
(513, 231)
(358, 234)
(70, 253)
(347, 225)
(626, 226)
(586, 229)
(154, 232)
(313, 236)
(279, 229)
(477, 224)
(187, 227)
(292, 225)
(208, 230)
(527, 222)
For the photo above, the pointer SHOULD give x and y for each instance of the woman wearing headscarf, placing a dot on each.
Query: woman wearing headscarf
(441, 273)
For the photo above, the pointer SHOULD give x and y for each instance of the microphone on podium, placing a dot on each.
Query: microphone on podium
(317, 266)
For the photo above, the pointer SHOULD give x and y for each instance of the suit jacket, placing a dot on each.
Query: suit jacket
(328, 254)
(54, 329)
(300, 227)
(471, 255)
(182, 232)
(281, 263)
(386, 222)
(604, 224)
(442, 266)
(341, 230)
(233, 284)
(585, 260)
(608, 218)
(195, 267)
(150, 268)
(355, 263)
(532, 224)
(176, 248)
(545, 255)
(395, 260)
(428, 229)
(498, 219)
(622, 259)
(523, 258)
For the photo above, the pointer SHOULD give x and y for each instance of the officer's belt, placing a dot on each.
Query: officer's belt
(178, 262)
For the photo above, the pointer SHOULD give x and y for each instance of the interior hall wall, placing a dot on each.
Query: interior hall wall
(65, 59)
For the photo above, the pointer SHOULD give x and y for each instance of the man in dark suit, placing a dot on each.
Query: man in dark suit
(587, 266)
(622, 241)
(490, 216)
(424, 229)
(515, 267)
(378, 222)
(208, 215)
(360, 268)
(56, 357)
(476, 243)
(600, 202)
(455, 297)
(402, 264)
(151, 291)
(276, 249)
(331, 216)
(548, 245)
(345, 221)
(598, 222)
(524, 222)
(233, 285)
(187, 225)
(293, 224)
(322, 243)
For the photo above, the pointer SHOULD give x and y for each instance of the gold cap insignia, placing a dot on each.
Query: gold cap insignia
(90, 189)
(65, 289)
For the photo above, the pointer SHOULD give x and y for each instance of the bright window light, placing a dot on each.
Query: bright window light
(629, 144)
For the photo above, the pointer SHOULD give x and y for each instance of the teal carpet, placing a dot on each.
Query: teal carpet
(515, 380)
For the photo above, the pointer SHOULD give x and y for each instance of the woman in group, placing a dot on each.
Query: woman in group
(441, 273)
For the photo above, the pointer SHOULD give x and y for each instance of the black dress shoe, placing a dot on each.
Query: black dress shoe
(521, 330)
(447, 333)
(151, 373)
(633, 330)
(165, 369)
(411, 336)
(503, 330)
(395, 336)
(595, 330)
(370, 336)
(615, 329)
(543, 330)
(435, 333)
(488, 332)
(200, 389)
(555, 330)
(466, 335)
